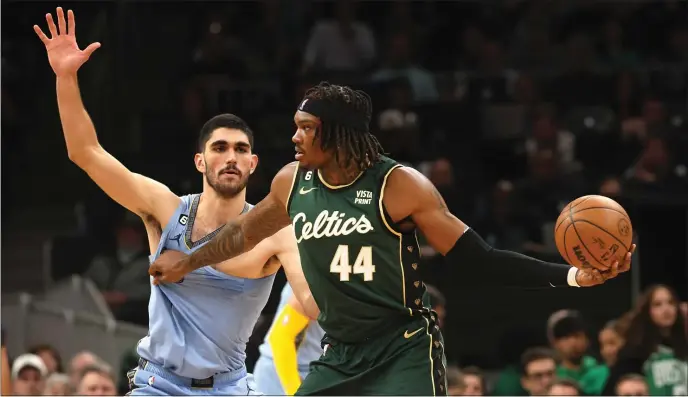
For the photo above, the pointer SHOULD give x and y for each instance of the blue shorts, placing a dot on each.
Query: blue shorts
(266, 377)
(153, 380)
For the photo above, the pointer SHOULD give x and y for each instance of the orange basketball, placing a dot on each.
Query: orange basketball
(592, 231)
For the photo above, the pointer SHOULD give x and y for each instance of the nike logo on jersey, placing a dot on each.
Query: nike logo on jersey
(408, 335)
(176, 238)
(328, 225)
(306, 191)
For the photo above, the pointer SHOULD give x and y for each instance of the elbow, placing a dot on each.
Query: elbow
(82, 157)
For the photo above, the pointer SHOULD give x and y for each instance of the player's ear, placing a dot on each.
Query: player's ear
(254, 162)
(199, 160)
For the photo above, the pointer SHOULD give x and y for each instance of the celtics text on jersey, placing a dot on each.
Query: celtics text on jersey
(362, 270)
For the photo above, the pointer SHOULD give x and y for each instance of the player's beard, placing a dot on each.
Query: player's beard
(226, 189)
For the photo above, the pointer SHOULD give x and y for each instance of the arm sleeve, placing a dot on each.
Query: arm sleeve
(282, 340)
(472, 258)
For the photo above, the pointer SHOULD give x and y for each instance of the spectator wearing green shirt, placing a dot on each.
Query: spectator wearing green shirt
(611, 339)
(566, 331)
(656, 345)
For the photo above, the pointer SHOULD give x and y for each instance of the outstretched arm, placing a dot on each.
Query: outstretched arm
(135, 192)
(466, 251)
(239, 235)
(288, 324)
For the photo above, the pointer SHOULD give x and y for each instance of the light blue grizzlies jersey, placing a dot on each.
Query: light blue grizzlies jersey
(308, 346)
(199, 327)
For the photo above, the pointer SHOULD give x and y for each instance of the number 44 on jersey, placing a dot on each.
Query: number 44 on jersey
(363, 264)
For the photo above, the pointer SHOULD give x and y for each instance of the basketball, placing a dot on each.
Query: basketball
(592, 231)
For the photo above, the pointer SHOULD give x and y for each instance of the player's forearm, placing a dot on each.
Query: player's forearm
(489, 266)
(241, 235)
(79, 131)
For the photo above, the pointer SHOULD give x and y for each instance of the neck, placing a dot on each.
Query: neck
(216, 210)
(336, 174)
(571, 365)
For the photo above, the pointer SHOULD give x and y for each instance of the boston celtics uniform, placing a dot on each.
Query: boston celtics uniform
(381, 336)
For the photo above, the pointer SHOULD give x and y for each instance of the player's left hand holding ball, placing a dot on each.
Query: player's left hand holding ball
(589, 276)
(168, 268)
(63, 52)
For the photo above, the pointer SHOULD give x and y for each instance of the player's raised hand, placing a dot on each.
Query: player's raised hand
(589, 277)
(63, 52)
(168, 268)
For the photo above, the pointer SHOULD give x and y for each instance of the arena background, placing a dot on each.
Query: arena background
(512, 108)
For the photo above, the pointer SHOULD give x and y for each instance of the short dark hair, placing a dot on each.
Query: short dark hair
(566, 382)
(225, 120)
(360, 147)
(50, 349)
(534, 354)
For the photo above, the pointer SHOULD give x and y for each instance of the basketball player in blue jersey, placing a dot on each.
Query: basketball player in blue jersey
(198, 328)
(290, 345)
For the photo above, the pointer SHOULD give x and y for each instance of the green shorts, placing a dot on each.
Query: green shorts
(407, 361)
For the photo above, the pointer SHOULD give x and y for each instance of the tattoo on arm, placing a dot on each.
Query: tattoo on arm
(441, 203)
(242, 234)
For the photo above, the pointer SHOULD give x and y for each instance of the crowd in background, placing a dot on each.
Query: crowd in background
(644, 352)
(512, 109)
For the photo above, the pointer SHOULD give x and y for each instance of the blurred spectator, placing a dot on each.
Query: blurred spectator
(547, 135)
(5, 376)
(538, 366)
(455, 384)
(611, 339)
(512, 345)
(564, 387)
(499, 226)
(541, 196)
(615, 53)
(340, 45)
(438, 303)
(57, 385)
(655, 169)
(79, 362)
(123, 277)
(632, 385)
(28, 375)
(398, 124)
(655, 345)
(567, 333)
(96, 380)
(474, 382)
(50, 356)
(400, 63)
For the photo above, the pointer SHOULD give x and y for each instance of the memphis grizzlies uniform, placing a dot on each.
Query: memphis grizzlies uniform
(363, 271)
(308, 349)
(198, 328)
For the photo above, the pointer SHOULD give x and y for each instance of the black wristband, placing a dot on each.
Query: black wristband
(471, 256)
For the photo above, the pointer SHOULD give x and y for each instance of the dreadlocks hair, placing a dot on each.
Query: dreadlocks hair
(359, 147)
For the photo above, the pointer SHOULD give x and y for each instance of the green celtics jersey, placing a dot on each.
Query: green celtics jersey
(363, 272)
(666, 375)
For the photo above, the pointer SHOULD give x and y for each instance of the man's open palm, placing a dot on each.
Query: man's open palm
(63, 52)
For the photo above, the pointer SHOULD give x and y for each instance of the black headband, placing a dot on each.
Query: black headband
(336, 113)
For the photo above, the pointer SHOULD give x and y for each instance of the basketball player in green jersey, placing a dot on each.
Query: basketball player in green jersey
(355, 214)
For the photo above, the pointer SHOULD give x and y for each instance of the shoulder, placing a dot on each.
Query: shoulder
(283, 181)
(402, 178)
